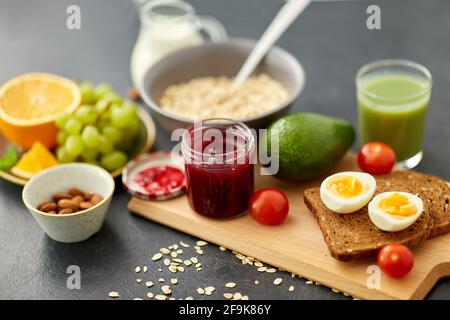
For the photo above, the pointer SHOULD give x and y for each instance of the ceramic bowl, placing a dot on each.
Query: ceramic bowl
(76, 226)
(219, 59)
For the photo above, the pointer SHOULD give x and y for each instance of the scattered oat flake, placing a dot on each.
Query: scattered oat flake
(240, 256)
(277, 281)
(258, 264)
(187, 262)
(309, 282)
(137, 299)
(164, 251)
(159, 270)
(237, 296)
(262, 269)
(194, 260)
(228, 295)
(230, 285)
(166, 262)
(173, 281)
(149, 284)
(160, 297)
(271, 270)
(200, 291)
(212, 289)
(173, 269)
(199, 252)
(244, 298)
(173, 254)
(138, 280)
(179, 251)
(334, 290)
(291, 288)
(157, 256)
(145, 269)
(166, 289)
(189, 298)
(256, 281)
(222, 248)
(114, 294)
(180, 268)
(150, 295)
(137, 269)
(185, 245)
(161, 280)
(201, 243)
(198, 265)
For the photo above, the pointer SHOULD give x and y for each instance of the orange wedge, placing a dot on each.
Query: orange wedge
(38, 158)
(29, 105)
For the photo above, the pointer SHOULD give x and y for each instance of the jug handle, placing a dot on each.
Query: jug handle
(213, 28)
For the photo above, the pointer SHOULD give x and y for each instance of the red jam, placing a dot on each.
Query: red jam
(161, 179)
(219, 172)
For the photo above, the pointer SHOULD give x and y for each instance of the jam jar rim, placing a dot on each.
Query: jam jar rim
(189, 153)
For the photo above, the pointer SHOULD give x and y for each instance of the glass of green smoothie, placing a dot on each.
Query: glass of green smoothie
(393, 98)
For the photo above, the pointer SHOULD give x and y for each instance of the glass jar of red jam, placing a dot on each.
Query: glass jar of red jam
(218, 156)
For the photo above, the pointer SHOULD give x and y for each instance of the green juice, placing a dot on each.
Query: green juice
(392, 109)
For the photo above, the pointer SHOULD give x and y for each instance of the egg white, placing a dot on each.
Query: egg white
(387, 222)
(344, 205)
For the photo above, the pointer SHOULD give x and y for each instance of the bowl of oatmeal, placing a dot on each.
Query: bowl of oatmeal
(195, 83)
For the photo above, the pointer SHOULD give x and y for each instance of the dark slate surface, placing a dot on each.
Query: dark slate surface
(330, 40)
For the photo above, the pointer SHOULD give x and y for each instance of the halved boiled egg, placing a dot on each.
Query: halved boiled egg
(395, 211)
(347, 192)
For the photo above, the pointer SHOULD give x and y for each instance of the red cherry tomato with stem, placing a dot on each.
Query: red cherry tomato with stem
(269, 206)
(396, 260)
(376, 158)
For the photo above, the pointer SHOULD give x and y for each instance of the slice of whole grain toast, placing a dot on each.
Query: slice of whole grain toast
(351, 236)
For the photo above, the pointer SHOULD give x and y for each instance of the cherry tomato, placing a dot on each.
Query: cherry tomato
(376, 158)
(396, 260)
(269, 206)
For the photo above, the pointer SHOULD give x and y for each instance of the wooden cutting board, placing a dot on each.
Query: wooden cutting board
(298, 246)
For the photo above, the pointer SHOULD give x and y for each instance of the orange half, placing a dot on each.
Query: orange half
(29, 105)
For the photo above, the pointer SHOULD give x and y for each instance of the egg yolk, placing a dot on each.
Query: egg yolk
(345, 186)
(397, 205)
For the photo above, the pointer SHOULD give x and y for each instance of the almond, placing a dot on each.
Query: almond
(78, 199)
(85, 205)
(48, 206)
(65, 211)
(60, 196)
(68, 204)
(96, 199)
(75, 192)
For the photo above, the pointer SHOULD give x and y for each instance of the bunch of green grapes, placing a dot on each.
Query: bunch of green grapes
(101, 131)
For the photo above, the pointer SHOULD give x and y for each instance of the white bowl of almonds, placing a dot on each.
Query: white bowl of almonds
(195, 83)
(69, 201)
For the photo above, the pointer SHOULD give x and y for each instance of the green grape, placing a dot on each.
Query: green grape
(134, 127)
(90, 136)
(93, 162)
(113, 97)
(87, 92)
(89, 154)
(9, 159)
(61, 120)
(114, 160)
(106, 115)
(102, 124)
(63, 156)
(121, 117)
(104, 145)
(86, 114)
(102, 89)
(73, 126)
(112, 134)
(74, 145)
(61, 137)
(102, 105)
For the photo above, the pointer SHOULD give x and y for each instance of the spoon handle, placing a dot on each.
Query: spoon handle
(284, 18)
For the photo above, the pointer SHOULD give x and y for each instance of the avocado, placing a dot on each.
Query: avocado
(309, 144)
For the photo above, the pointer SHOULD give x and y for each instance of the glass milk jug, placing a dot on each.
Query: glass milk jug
(166, 26)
